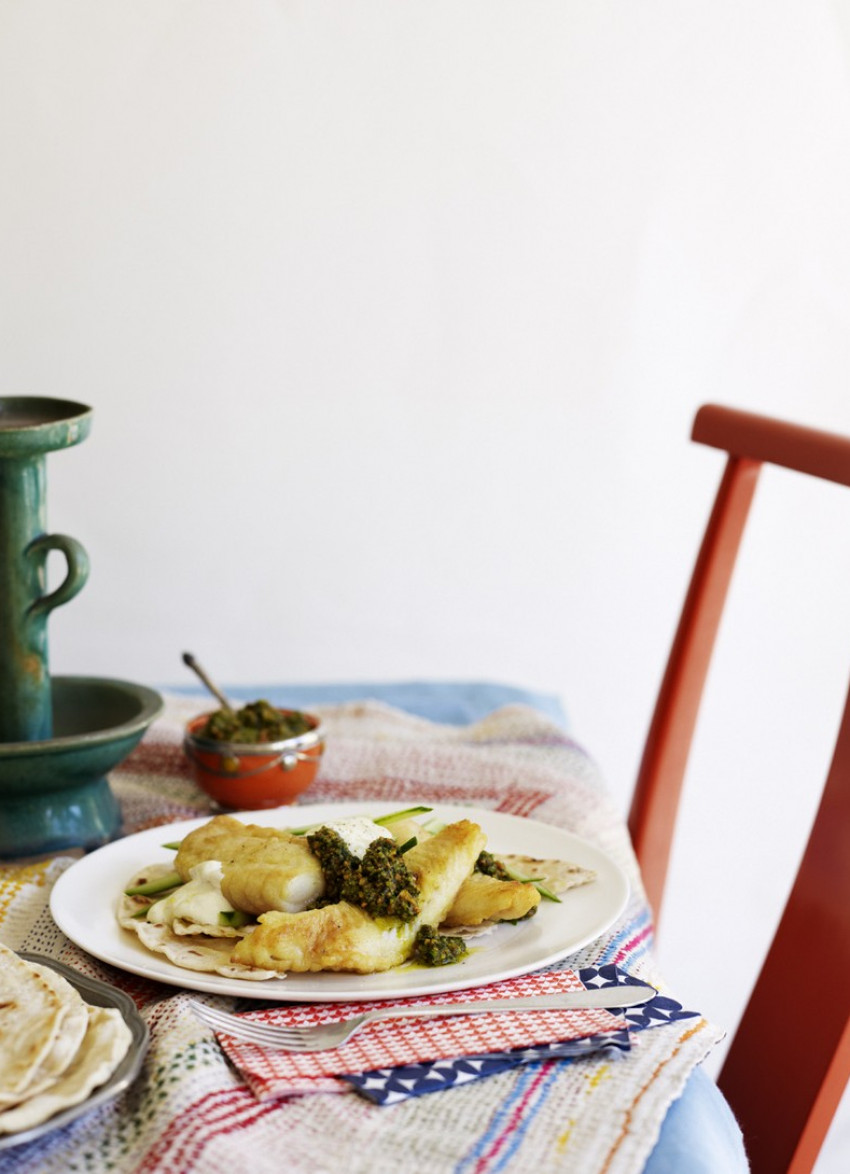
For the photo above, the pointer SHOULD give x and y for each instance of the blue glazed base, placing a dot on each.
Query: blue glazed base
(81, 817)
(54, 793)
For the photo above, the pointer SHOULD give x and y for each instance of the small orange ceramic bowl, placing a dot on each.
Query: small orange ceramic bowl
(250, 776)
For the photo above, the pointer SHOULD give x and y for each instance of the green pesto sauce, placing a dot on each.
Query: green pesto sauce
(432, 948)
(257, 722)
(381, 883)
(490, 866)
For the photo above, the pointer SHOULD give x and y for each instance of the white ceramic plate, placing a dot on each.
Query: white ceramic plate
(84, 899)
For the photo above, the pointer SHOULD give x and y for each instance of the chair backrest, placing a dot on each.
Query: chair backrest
(784, 1086)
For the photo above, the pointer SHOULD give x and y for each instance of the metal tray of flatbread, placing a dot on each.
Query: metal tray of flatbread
(98, 994)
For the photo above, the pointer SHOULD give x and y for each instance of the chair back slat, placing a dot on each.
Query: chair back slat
(774, 442)
(655, 801)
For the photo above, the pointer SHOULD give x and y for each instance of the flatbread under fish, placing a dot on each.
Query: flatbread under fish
(205, 954)
(194, 947)
(130, 909)
(558, 875)
(343, 937)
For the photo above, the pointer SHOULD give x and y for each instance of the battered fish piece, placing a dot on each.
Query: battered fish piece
(263, 868)
(485, 898)
(343, 937)
(480, 898)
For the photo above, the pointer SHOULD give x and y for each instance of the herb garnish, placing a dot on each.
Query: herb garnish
(432, 948)
(380, 883)
(490, 866)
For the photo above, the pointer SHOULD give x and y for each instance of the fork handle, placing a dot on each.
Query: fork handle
(616, 996)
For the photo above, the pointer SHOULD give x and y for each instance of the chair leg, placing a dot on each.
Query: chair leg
(795, 1031)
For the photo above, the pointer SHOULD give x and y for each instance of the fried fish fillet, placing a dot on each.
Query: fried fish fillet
(485, 898)
(263, 868)
(480, 898)
(343, 937)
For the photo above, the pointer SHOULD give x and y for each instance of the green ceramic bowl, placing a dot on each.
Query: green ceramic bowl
(54, 793)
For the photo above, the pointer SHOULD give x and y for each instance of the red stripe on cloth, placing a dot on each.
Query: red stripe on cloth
(514, 1118)
(523, 803)
(632, 944)
(392, 788)
(216, 1114)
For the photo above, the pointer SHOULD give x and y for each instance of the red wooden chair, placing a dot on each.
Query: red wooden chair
(784, 1092)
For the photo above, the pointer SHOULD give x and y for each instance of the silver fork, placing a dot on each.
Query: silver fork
(322, 1036)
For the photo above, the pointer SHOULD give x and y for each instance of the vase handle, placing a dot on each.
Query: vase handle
(74, 581)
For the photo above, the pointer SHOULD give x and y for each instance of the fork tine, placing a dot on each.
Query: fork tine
(221, 1019)
(264, 1037)
(260, 1033)
(212, 1015)
(233, 1027)
(248, 1032)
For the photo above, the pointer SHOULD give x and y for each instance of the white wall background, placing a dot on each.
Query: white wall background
(395, 317)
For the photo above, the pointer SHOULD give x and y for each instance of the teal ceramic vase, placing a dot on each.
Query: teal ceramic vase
(30, 428)
(58, 737)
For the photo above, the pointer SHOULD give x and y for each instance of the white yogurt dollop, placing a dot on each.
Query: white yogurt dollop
(199, 900)
(357, 832)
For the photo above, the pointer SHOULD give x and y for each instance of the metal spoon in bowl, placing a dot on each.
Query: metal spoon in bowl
(188, 659)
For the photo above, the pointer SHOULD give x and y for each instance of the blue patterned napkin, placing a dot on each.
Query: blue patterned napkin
(388, 1086)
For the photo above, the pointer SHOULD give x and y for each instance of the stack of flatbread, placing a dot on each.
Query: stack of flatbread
(55, 1049)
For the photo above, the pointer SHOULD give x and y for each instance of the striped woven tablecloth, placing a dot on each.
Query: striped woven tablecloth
(190, 1110)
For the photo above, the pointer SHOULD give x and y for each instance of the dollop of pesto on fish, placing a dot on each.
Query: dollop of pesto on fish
(432, 948)
(380, 883)
(490, 866)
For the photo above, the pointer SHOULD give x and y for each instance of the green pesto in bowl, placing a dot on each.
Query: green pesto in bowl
(257, 722)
